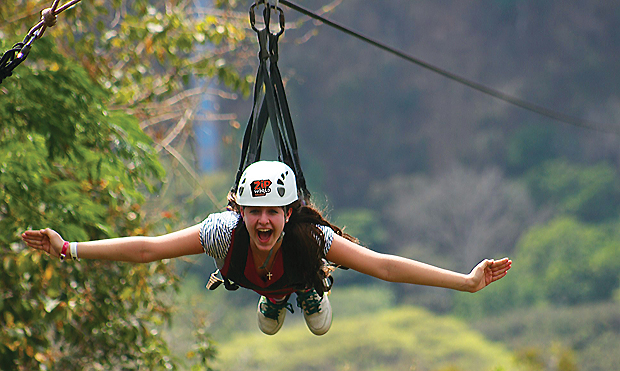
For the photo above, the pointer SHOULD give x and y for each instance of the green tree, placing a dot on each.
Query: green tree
(568, 262)
(591, 193)
(74, 157)
(70, 164)
(563, 262)
(529, 147)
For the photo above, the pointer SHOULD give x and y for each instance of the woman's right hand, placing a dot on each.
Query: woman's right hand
(46, 239)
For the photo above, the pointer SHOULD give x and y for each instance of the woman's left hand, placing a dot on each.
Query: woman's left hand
(488, 271)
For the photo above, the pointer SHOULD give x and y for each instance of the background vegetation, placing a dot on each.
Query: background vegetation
(76, 157)
(411, 163)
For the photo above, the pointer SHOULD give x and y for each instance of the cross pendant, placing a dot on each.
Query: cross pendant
(269, 276)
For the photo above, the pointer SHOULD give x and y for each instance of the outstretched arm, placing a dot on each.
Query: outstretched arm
(130, 249)
(397, 269)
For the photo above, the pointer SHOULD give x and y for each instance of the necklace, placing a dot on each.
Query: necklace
(264, 266)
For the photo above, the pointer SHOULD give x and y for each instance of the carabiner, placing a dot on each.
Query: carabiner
(253, 17)
(282, 23)
(266, 16)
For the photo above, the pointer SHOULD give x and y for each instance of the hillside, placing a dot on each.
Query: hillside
(368, 333)
(401, 338)
(371, 332)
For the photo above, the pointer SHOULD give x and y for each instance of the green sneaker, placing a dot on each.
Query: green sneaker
(317, 311)
(271, 315)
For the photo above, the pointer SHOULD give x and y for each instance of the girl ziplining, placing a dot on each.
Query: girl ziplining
(271, 243)
(271, 239)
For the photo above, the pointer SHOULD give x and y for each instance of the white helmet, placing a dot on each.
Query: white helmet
(267, 183)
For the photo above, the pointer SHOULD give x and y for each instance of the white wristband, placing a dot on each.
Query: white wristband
(73, 250)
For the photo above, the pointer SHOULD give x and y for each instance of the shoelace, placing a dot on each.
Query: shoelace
(309, 301)
(272, 311)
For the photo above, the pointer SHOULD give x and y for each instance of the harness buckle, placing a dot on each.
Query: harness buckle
(214, 281)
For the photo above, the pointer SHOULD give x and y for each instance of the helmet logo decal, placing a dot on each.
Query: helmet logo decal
(260, 187)
(280, 187)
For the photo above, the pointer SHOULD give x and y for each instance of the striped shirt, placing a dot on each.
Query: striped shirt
(217, 229)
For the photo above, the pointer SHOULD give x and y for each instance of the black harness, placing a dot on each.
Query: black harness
(236, 267)
(287, 277)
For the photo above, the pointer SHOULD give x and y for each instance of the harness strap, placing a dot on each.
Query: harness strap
(289, 130)
(270, 105)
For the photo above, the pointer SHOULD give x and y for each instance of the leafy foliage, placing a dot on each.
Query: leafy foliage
(567, 262)
(368, 333)
(544, 335)
(72, 161)
(69, 164)
(530, 146)
(360, 222)
(564, 262)
(590, 192)
(396, 339)
(144, 50)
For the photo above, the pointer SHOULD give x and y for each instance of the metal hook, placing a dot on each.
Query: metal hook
(253, 14)
(266, 15)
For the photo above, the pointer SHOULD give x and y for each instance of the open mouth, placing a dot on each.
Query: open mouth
(264, 235)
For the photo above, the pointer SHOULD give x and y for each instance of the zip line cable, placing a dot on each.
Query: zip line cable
(15, 56)
(567, 119)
